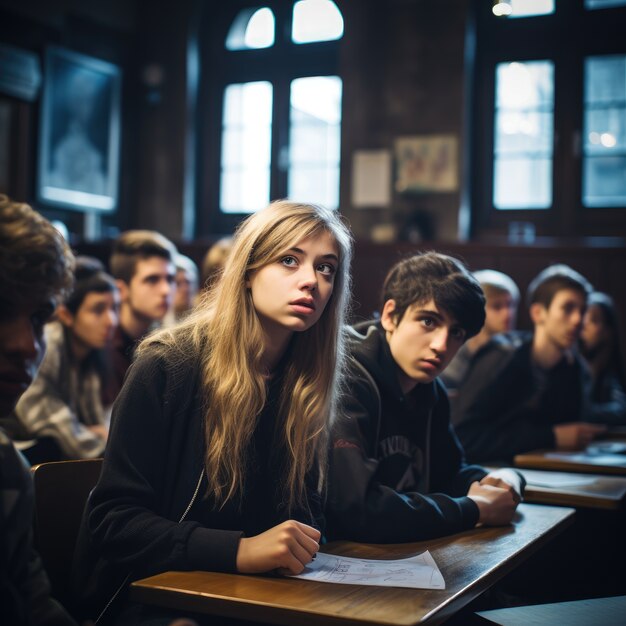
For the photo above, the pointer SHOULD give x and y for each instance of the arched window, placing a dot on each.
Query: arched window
(273, 106)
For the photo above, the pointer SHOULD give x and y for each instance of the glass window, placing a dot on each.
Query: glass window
(315, 138)
(523, 8)
(246, 147)
(523, 135)
(604, 4)
(604, 134)
(316, 20)
(252, 29)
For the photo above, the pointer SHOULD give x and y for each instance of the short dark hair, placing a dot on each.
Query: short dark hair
(34, 257)
(441, 278)
(89, 277)
(137, 245)
(553, 279)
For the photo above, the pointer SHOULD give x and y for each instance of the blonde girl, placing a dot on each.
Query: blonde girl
(218, 439)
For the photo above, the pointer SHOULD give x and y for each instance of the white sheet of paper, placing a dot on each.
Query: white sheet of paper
(554, 480)
(415, 572)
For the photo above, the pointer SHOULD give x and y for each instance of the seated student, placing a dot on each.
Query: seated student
(531, 392)
(64, 402)
(220, 432)
(186, 286)
(397, 470)
(35, 271)
(214, 261)
(600, 346)
(142, 262)
(502, 297)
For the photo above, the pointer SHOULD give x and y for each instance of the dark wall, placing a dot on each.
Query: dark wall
(402, 65)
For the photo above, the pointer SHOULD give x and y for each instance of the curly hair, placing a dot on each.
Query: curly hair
(34, 257)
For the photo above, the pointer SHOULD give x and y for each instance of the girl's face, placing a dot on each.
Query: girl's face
(595, 332)
(291, 293)
(95, 321)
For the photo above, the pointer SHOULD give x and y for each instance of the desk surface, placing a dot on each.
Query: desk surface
(573, 462)
(578, 490)
(470, 562)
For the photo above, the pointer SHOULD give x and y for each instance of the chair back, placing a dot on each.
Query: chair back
(61, 492)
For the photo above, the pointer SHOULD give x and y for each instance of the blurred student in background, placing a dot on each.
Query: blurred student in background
(186, 289)
(64, 401)
(502, 300)
(532, 391)
(600, 345)
(142, 263)
(214, 261)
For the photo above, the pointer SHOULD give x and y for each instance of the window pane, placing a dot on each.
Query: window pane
(604, 135)
(251, 29)
(316, 20)
(246, 147)
(315, 140)
(523, 135)
(604, 4)
(523, 8)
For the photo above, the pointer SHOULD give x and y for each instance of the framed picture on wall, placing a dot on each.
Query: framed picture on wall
(80, 132)
(426, 163)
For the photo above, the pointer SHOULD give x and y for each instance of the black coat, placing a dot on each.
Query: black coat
(397, 471)
(150, 511)
(506, 406)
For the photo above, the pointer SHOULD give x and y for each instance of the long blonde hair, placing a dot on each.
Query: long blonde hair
(224, 328)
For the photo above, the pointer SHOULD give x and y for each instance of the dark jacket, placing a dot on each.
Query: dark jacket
(150, 511)
(397, 471)
(507, 405)
(24, 586)
(608, 400)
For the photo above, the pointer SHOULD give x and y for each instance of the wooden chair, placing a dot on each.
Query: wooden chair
(61, 491)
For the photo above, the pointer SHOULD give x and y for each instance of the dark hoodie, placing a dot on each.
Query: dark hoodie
(397, 471)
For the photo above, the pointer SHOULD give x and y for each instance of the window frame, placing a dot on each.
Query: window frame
(565, 37)
(279, 65)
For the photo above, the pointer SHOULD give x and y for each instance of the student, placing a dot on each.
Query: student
(214, 261)
(64, 402)
(397, 470)
(600, 346)
(531, 392)
(502, 297)
(186, 286)
(219, 435)
(35, 271)
(142, 262)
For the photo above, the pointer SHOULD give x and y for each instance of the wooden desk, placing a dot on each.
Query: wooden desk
(592, 491)
(573, 462)
(470, 562)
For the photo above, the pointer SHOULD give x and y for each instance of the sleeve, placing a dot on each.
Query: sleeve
(495, 412)
(44, 412)
(127, 515)
(360, 507)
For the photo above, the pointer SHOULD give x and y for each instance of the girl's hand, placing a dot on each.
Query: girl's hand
(288, 546)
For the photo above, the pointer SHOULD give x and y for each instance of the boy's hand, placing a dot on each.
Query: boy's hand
(505, 478)
(496, 506)
(287, 547)
(577, 435)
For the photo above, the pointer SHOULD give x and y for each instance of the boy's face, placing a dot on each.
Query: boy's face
(423, 342)
(500, 313)
(22, 346)
(561, 323)
(150, 291)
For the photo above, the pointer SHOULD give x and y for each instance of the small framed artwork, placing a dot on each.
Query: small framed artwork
(427, 163)
(80, 132)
